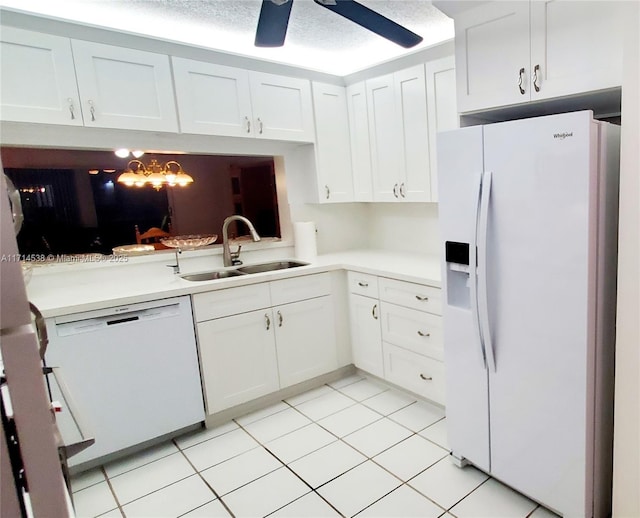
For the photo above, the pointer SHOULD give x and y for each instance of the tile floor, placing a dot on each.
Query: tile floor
(353, 447)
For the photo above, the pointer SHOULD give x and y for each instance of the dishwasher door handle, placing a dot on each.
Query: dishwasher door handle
(122, 320)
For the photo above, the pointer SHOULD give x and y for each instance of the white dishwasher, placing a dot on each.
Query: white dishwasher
(133, 372)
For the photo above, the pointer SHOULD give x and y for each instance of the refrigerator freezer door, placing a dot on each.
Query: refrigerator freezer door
(538, 292)
(460, 166)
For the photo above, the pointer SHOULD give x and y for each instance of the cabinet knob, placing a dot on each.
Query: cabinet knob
(260, 126)
(425, 378)
(521, 80)
(248, 123)
(92, 109)
(536, 69)
(425, 335)
(267, 321)
(327, 191)
(374, 311)
(395, 190)
(279, 319)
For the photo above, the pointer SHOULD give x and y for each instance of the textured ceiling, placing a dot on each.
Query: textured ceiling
(317, 39)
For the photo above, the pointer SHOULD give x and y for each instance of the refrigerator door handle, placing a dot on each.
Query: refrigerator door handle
(473, 267)
(482, 302)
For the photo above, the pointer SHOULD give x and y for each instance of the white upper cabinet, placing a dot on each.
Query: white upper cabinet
(575, 47)
(282, 107)
(333, 153)
(124, 88)
(441, 108)
(37, 78)
(360, 147)
(515, 52)
(398, 132)
(492, 55)
(213, 99)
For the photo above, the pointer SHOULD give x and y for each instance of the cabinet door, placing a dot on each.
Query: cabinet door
(282, 107)
(576, 46)
(442, 109)
(212, 99)
(305, 339)
(124, 88)
(366, 341)
(384, 135)
(237, 359)
(37, 78)
(411, 108)
(492, 46)
(360, 147)
(333, 153)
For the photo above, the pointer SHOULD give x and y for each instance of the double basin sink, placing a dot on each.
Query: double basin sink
(243, 270)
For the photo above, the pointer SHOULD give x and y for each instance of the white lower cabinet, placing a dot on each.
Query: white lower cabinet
(238, 359)
(396, 333)
(305, 339)
(256, 339)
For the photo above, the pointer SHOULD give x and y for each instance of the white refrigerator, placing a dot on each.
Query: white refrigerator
(528, 218)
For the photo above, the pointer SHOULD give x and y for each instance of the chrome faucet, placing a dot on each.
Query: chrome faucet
(232, 258)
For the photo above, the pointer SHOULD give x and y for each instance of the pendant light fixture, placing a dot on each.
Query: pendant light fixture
(154, 174)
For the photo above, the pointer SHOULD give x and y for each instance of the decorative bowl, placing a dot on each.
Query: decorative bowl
(132, 249)
(189, 241)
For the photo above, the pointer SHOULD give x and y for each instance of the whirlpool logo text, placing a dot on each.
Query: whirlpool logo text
(563, 135)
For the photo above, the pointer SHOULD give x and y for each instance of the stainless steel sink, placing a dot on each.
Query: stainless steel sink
(211, 276)
(270, 267)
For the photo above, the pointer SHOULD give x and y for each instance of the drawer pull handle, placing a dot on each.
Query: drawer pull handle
(92, 109)
(426, 335)
(268, 321)
(373, 311)
(520, 81)
(422, 299)
(327, 192)
(279, 319)
(363, 284)
(536, 69)
(248, 124)
(425, 378)
(71, 108)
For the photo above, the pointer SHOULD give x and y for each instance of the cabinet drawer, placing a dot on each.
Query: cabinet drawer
(416, 296)
(300, 288)
(410, 329)
(221, 303)
(363, 284)
(414, 372)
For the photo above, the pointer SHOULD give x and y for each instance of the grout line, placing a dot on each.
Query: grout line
(113, 492)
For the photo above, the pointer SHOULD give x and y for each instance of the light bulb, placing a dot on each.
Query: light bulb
(137, 153)
(122, 152)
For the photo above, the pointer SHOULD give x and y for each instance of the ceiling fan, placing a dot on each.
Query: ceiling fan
(274, 18)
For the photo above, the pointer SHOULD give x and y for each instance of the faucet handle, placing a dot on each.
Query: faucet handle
(235, 256)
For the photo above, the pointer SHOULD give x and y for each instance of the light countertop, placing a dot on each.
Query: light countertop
(74, 289)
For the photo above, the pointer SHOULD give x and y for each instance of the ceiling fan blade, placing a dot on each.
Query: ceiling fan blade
(373, 21)
(272, 24)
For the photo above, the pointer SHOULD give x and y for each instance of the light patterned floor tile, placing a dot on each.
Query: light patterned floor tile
(193, 438)
(267, 494)
(389, 401)
(409, 457)
(376, 437)
(418, 416)
(403, 502)
(86, 479)
(94, 500)
(447, 484)
(327, 463)
(358, 488)
(437, 433)
(213, 509)
(240, 470)
(277, 425)
(140, 459)
(300, 442)
(325, 405)
(363, 389)
(494, 500)
(349, 420)
(171, 501)
(216, 450)
(262, 413)
(308, 506)
(310, 394)
(150, 477)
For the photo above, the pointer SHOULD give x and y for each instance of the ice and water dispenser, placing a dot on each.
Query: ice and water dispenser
(458, 274)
